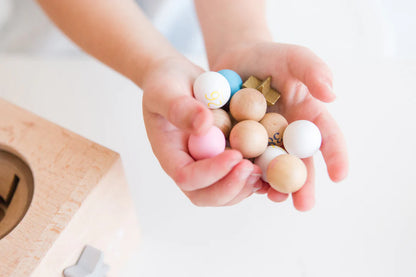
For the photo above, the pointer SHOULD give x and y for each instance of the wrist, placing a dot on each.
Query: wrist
(232, 55)
(175, 68)
(144, 69)
(232, 48)
(239, 22)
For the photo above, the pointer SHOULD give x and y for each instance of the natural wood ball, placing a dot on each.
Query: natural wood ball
(222, 120)
(249, 137)
(275, 125)
(248, 104)
(286, 173)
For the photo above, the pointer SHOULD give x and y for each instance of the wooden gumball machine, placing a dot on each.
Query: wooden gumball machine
(59, 193)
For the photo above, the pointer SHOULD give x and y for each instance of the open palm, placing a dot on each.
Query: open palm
(171, 114)
(305, 82)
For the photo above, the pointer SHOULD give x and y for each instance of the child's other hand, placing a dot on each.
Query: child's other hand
(304, 81)
(171, 114)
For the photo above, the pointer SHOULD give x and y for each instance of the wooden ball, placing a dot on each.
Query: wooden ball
(275, 125)
(207, 145)
(248, 104)
(249, 137)
(286, 173)
(222, 120)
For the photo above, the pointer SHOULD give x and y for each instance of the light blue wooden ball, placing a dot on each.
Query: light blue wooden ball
(233, 79)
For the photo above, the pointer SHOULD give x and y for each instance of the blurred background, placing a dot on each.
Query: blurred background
(363, 226)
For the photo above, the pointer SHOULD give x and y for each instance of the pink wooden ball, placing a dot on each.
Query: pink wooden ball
(208, 145)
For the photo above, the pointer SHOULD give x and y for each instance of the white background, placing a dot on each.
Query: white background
(364, 226)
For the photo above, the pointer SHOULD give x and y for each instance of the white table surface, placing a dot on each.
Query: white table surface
(364, 226)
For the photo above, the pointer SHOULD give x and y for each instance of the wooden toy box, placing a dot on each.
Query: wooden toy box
(79, 196)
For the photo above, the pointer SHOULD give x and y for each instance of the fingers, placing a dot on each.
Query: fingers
(308, 68)
(276, 196)
(226, 189)
(304, 199)
(181, 109)
(204, 173)
(253, 184)
(264, 189)
(169, 94)
(169, 146)
(333, 148)
(188, 114)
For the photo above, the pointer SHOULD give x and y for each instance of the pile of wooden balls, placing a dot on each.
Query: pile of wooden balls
(276, 146)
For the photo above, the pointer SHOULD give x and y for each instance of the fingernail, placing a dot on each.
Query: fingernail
(330, 88)
(198, 120)
(256, 189)
(234, 162)
(244, 173)
(252, 180)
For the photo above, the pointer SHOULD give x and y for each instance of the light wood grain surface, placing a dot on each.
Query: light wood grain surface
(80, 196)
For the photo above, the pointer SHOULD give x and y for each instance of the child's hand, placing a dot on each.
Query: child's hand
(304, 81)
(171, 113)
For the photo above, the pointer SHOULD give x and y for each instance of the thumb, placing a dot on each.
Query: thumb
(171, 97)
(188, 114)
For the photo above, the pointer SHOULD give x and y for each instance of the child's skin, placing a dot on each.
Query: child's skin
(236, 37)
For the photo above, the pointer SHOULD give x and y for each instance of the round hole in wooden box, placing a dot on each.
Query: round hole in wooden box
(16, 191)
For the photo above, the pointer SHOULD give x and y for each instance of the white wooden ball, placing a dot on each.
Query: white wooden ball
(302, 138)
(212, 89)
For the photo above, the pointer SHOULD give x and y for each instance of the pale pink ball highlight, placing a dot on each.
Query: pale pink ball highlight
(207, 145)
